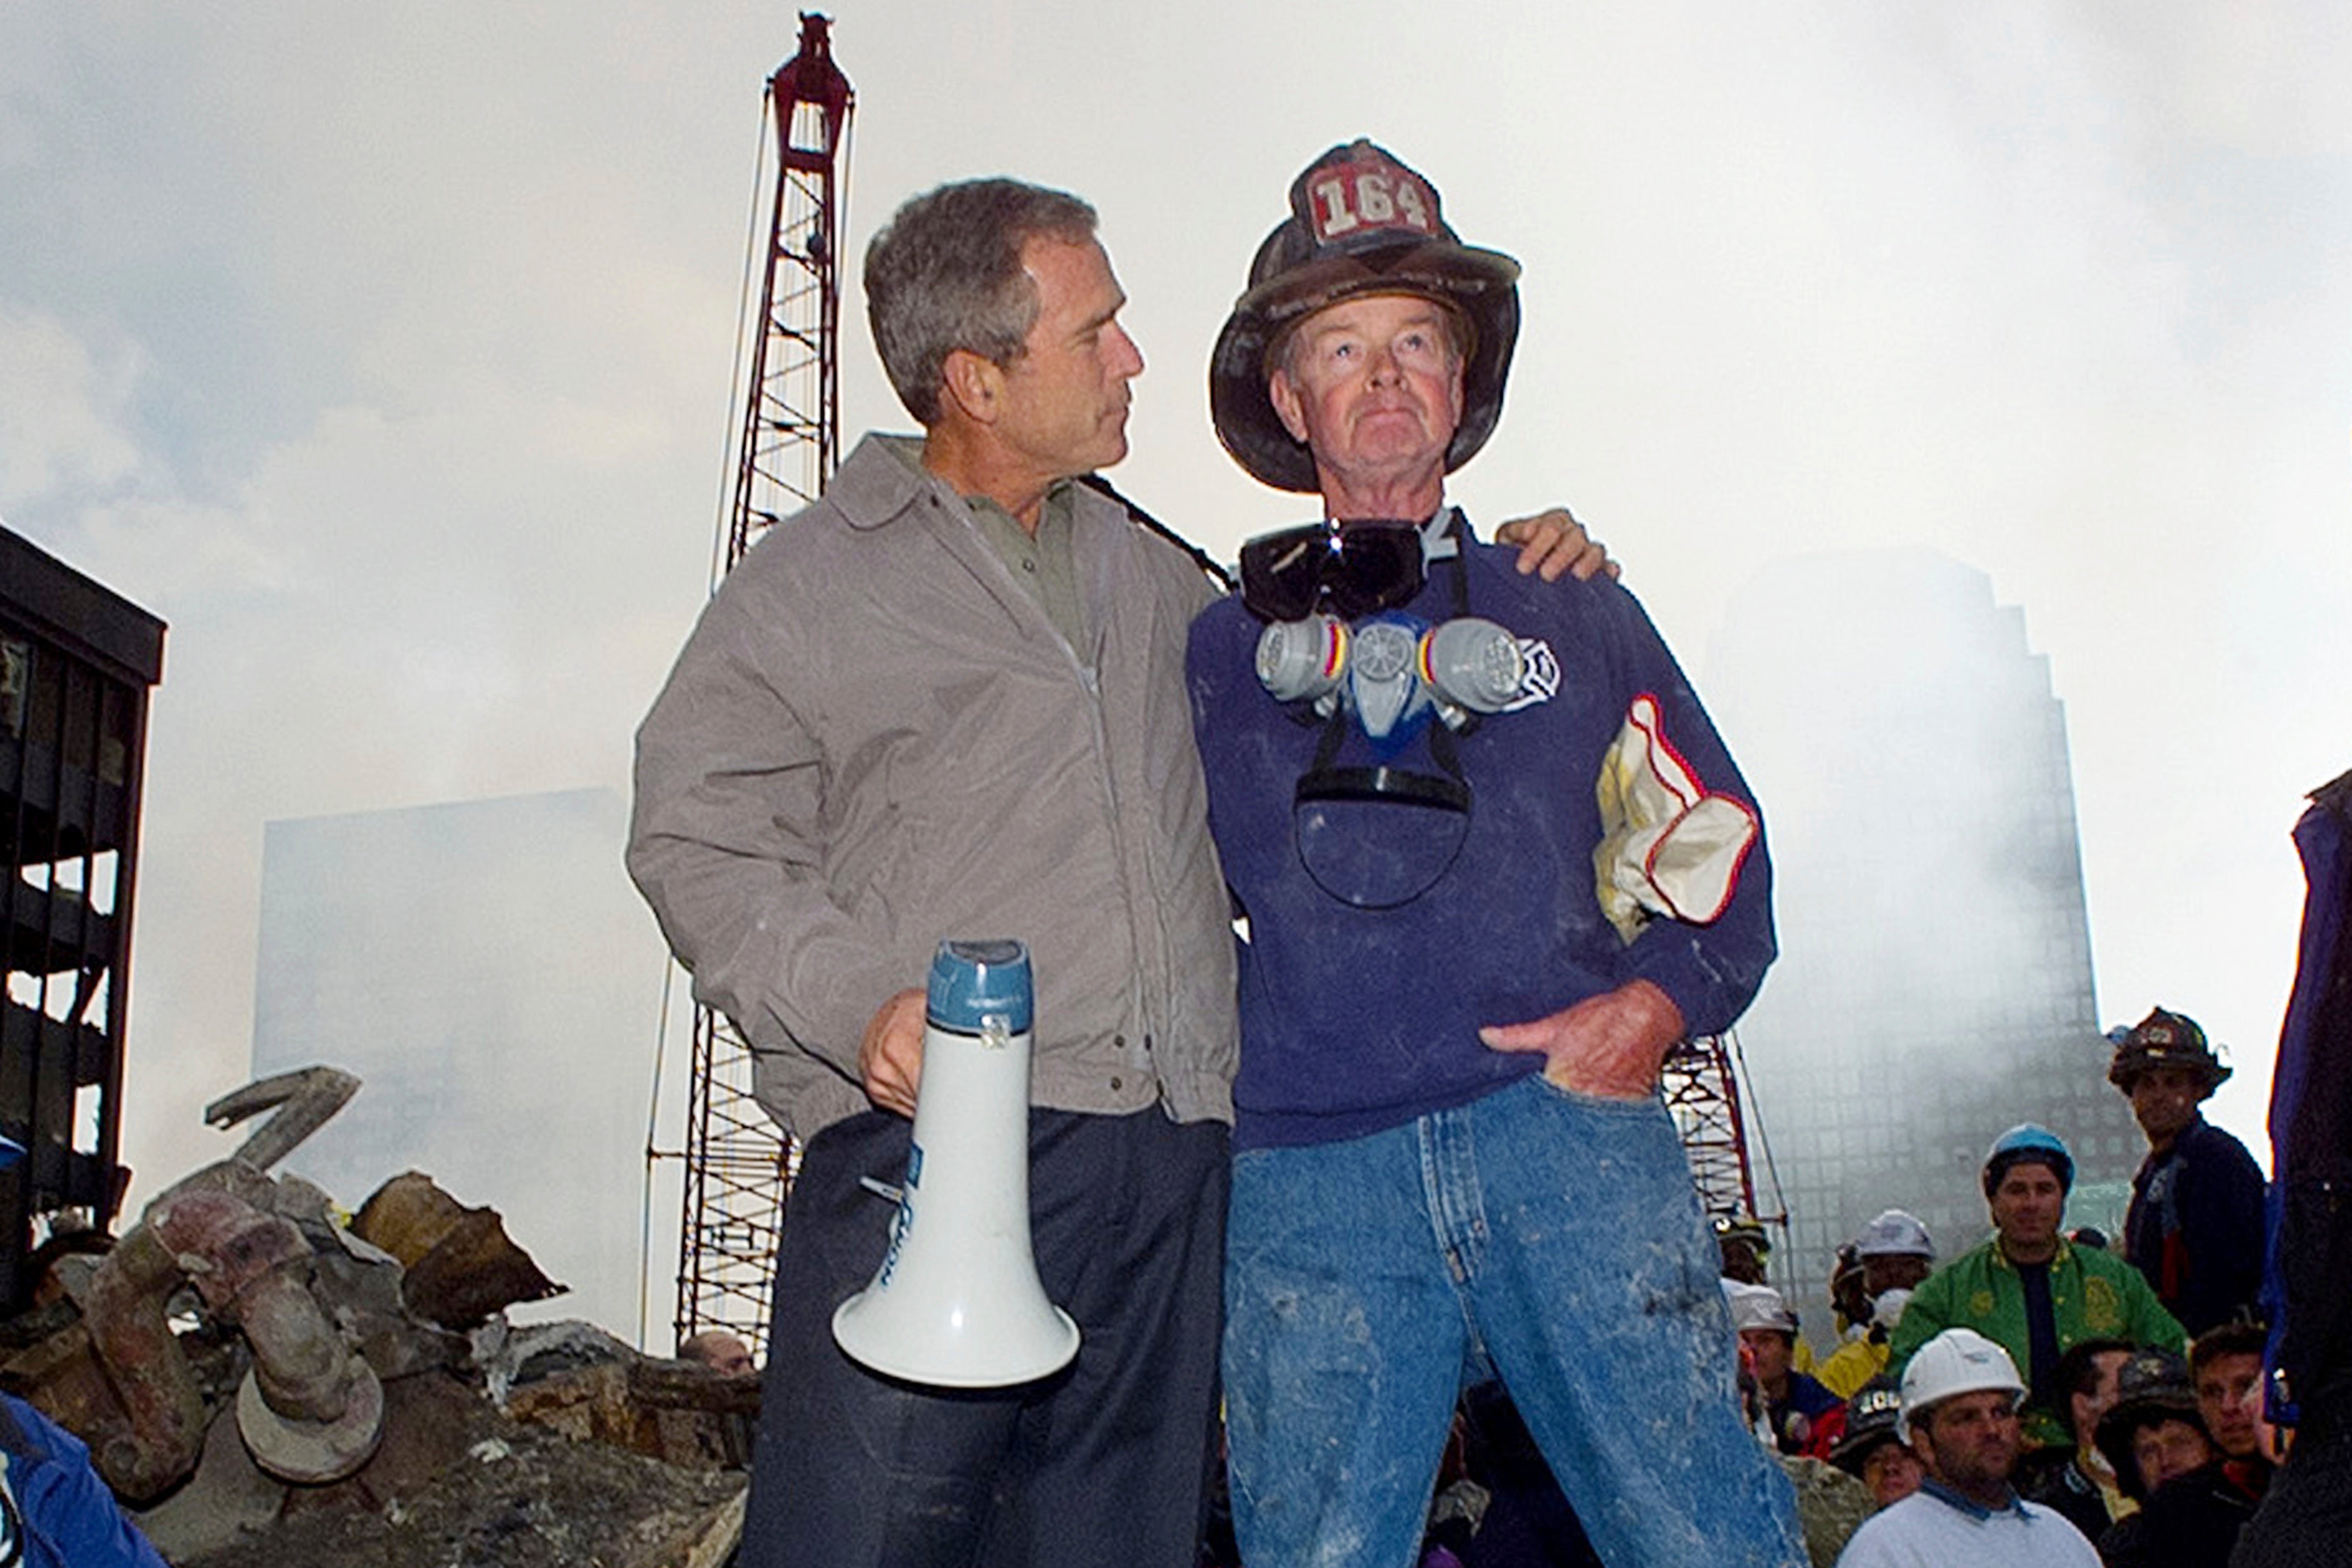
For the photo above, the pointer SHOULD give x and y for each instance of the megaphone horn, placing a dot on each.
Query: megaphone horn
(957, 1302)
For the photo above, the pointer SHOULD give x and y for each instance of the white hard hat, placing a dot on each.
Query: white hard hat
(1757, 1307)
(1956, 1361)
(1894, 1234)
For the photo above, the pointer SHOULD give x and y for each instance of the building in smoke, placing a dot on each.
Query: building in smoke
(1933, 985)
(488, 971)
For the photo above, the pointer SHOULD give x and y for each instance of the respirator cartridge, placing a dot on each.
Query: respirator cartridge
(1376, 835)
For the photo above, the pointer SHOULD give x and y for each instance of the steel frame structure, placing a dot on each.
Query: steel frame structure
(739, 1163)
(76, 662)
(1702, 1092)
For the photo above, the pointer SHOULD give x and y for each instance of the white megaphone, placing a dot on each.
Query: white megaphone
(957, 1302)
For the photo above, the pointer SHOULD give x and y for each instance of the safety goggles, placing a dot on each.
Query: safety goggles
(1358, 568)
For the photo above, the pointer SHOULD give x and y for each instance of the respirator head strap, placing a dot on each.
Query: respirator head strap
(1375, 836)
(1381, 783)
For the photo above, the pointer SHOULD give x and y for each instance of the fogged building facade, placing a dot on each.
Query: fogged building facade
(488, 971)
(1933, 985)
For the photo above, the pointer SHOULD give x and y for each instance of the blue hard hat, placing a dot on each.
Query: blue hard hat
(2027, 1143)
(10, 1151)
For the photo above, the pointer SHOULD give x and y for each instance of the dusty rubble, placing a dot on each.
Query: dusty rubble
(262, 1384)
(512, 1495)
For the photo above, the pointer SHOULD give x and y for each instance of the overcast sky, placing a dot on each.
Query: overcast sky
(386, 352)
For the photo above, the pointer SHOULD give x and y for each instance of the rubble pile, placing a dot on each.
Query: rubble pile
(262, 1383)
(502, 1493)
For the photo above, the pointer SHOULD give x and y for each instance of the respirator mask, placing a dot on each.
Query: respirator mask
(1340, 649)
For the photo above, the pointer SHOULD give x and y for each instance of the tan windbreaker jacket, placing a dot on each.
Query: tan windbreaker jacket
(875, 740)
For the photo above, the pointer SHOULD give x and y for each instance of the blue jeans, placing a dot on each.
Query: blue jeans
(1557, 1236)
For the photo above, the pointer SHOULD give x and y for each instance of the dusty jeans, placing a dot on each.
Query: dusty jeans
(1558, 1234)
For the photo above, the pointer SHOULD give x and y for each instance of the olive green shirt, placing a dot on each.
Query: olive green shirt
(1044, 563)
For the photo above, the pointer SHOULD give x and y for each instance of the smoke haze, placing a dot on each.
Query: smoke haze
(387, 355)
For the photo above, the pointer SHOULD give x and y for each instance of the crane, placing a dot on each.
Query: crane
(739, 1163)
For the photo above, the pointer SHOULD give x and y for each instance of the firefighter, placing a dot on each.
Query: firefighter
(2195, 1227)
(1892, 1254)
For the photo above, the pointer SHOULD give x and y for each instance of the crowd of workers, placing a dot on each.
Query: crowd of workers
(2044, 1398)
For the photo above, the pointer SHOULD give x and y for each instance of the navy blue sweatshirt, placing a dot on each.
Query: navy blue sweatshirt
(1355, 1020)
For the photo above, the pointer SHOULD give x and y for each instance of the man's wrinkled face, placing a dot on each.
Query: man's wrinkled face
(1065, 396)
(2164, 1100)
(1892, 1472)
(1373, 386)
(2167, 1448)
(2028, 1204)
(2222, 1388)
(1970, 1439)
(2086, 1408)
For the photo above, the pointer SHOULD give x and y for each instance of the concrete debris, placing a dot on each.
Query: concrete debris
(301, 1102)
(271, 1386)
(460, 1265)
(577, 1380)
(508, 1495)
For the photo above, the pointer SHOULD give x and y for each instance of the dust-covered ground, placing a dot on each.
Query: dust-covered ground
(517, 1496)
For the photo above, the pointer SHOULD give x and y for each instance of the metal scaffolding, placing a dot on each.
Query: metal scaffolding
(76, 665)
(738, 1165)
(1702, 1090)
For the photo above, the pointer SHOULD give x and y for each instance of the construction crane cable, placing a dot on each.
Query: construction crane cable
(652, 1156)
(754, 255)
(1746, 1083)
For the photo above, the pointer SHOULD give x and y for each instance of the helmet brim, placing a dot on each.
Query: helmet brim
(1849, 1452)
(2123, 1073)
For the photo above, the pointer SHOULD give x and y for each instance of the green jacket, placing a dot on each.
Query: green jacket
(2093, 1295)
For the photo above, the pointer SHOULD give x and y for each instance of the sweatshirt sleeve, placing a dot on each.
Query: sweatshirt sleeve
(67, 1507)
(1712, 968)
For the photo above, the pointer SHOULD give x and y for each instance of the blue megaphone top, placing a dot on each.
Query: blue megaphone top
(972, 982)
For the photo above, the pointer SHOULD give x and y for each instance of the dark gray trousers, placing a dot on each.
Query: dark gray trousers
(2305, 1517)
(1106, 1462)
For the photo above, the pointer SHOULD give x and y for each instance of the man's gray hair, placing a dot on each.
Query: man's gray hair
(946, 274)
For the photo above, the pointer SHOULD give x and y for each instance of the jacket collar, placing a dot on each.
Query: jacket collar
(884, 481)
(876, 486)
(1974, 1510)
(882, 478)
(2001, 1261)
